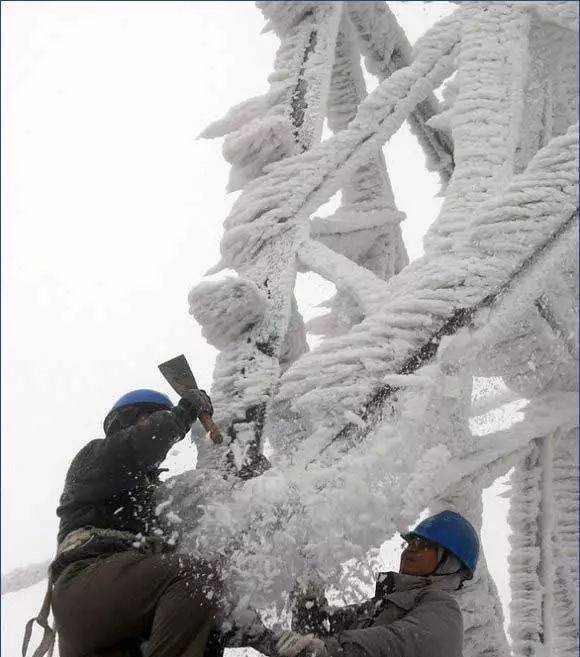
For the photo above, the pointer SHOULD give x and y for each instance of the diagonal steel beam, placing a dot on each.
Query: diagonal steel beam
(376, 407)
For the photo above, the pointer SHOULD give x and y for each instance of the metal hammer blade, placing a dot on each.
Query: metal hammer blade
(180, 377)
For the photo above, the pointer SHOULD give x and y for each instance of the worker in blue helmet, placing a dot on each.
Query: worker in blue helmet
(456, 547)
(119, 588)
(413, 612)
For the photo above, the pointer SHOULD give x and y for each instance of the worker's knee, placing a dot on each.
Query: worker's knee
(195, 579)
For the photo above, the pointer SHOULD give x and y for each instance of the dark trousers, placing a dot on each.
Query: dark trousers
(111, 605)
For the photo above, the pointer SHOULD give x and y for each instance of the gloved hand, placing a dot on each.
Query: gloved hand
(292, 644)
(190, 407)
(200, 401)
(309, 607)
(310, 590)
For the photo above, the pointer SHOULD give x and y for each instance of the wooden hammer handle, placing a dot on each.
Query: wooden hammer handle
(209, 425)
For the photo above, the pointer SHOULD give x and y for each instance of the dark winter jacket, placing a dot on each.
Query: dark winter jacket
(407, 617)
(113, 482)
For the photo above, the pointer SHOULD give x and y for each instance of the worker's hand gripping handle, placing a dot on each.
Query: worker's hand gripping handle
(180, 377)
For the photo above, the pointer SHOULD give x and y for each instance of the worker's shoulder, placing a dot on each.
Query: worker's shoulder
(89, 448)
(87, 452)
(83, 463)
(433, 595)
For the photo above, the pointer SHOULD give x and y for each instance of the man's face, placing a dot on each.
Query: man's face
(134, 415)
(419, 558)
(142, 417)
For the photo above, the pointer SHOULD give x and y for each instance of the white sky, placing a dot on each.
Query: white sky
(112, 211)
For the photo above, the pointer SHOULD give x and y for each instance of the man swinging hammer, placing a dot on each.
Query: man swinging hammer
(119, 587)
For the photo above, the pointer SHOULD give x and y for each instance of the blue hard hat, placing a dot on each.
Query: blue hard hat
(157, 400)
(143, 396)
(450, 530)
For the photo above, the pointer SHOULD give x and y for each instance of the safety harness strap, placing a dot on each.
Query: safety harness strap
(76, 539)
(46, 646)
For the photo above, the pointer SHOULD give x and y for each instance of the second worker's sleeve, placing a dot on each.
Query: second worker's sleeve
(434, 628)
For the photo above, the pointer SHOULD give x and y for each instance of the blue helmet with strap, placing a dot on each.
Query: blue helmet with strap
(450, 530)
(142, 397)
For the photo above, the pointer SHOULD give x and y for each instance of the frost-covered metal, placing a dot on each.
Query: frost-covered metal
(384, 418)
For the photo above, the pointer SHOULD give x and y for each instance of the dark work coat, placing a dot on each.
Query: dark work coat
(113, 482)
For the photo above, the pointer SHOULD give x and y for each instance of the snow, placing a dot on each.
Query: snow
(226, 310)
(348, 469)
(432, 380)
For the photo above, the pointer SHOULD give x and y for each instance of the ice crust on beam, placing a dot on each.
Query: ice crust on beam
(22, 578)
(562, 13)
(565, 523)
(532, 351)
(263, 247)
(362, 286)
(387, 49)
(345, 477)
(227, 309)
(268, 128)
(565, 83)
(296, 511)
(365, 228)
(483, 633)
(270, 207)
(524, 560)
(506, 231)
(493, 455)
(485, 116)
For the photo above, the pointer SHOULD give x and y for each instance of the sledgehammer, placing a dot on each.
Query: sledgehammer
(180, 377)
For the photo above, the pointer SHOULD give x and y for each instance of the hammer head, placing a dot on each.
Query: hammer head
(178, 374)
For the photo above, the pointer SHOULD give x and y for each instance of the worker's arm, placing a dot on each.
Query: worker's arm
(311, 612)
(146, 443)
(107, 466)
(252, 633)
(434, 628)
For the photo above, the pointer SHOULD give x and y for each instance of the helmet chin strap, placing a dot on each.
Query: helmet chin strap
(447, 563)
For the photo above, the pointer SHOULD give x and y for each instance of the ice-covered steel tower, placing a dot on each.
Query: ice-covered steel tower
(388, 416)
